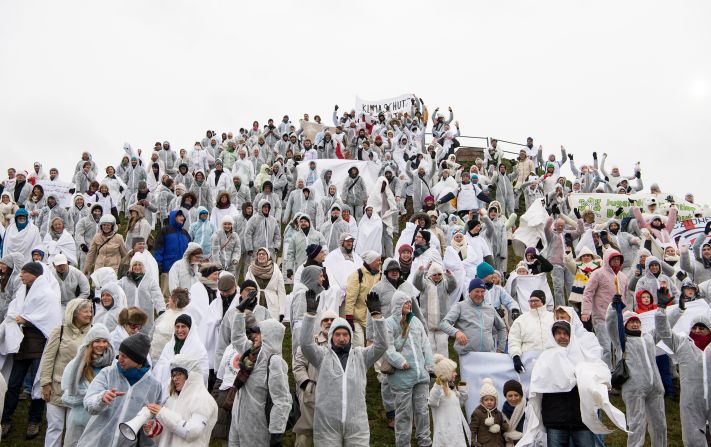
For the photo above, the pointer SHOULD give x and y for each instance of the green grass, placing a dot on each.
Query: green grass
(380, 434)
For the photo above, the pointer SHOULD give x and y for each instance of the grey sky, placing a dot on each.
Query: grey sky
(629, 78)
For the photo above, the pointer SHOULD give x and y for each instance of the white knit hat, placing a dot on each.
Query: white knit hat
(370, 256)
(487, 388)
(444, 367)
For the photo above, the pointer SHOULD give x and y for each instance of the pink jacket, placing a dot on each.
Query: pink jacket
(601, 288)
(664, 234)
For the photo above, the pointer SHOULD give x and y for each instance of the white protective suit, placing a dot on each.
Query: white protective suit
(189, 416)
(694, 378)
(250, 427)
(340, 417)
(643, 392)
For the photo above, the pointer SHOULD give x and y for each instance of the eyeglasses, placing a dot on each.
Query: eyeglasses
(534, 300)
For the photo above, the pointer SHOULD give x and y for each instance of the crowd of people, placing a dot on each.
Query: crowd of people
(160, 291)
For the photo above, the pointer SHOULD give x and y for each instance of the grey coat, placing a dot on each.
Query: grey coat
(481, 324)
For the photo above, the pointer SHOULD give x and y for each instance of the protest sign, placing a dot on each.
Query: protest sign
(59, 189)
(402, 103)
(604, 205)
(689, 229)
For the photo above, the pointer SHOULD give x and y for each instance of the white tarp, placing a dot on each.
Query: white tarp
(476, 366)
(402, 103)
(531, 228)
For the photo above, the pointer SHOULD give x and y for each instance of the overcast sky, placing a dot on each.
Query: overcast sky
(632, 79)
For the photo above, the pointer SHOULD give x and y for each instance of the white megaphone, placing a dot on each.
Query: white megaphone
(130, 429)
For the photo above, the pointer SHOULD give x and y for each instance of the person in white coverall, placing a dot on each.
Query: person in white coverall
(340, 417)
(410, 354)
(643, 392)
(262, 371)
(692, 353)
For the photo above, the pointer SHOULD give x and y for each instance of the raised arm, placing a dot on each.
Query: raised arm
(313, 353)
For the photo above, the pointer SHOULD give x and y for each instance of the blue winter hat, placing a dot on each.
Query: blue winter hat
(483, 270)
(476, 283)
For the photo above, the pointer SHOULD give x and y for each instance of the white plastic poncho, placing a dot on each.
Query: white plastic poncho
(370, 234)
(64, 245)
(102, 430)
(109, 317)
(192, 348)
(530, 230)
(559, 369)
(188, 417)
(42, 307)
(22, 241)
(338, 269)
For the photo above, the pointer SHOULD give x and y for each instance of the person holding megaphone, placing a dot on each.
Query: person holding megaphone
(190, 413)
(118, 393)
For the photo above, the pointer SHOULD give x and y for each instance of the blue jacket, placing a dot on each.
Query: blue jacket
(201, 232)
(171, 243)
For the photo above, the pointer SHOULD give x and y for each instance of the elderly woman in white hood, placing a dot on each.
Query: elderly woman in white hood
(62, 345)
(112, 300)
(57, 241)
(190, 413)
(184, 272)
(7, 209)
(142, 290)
